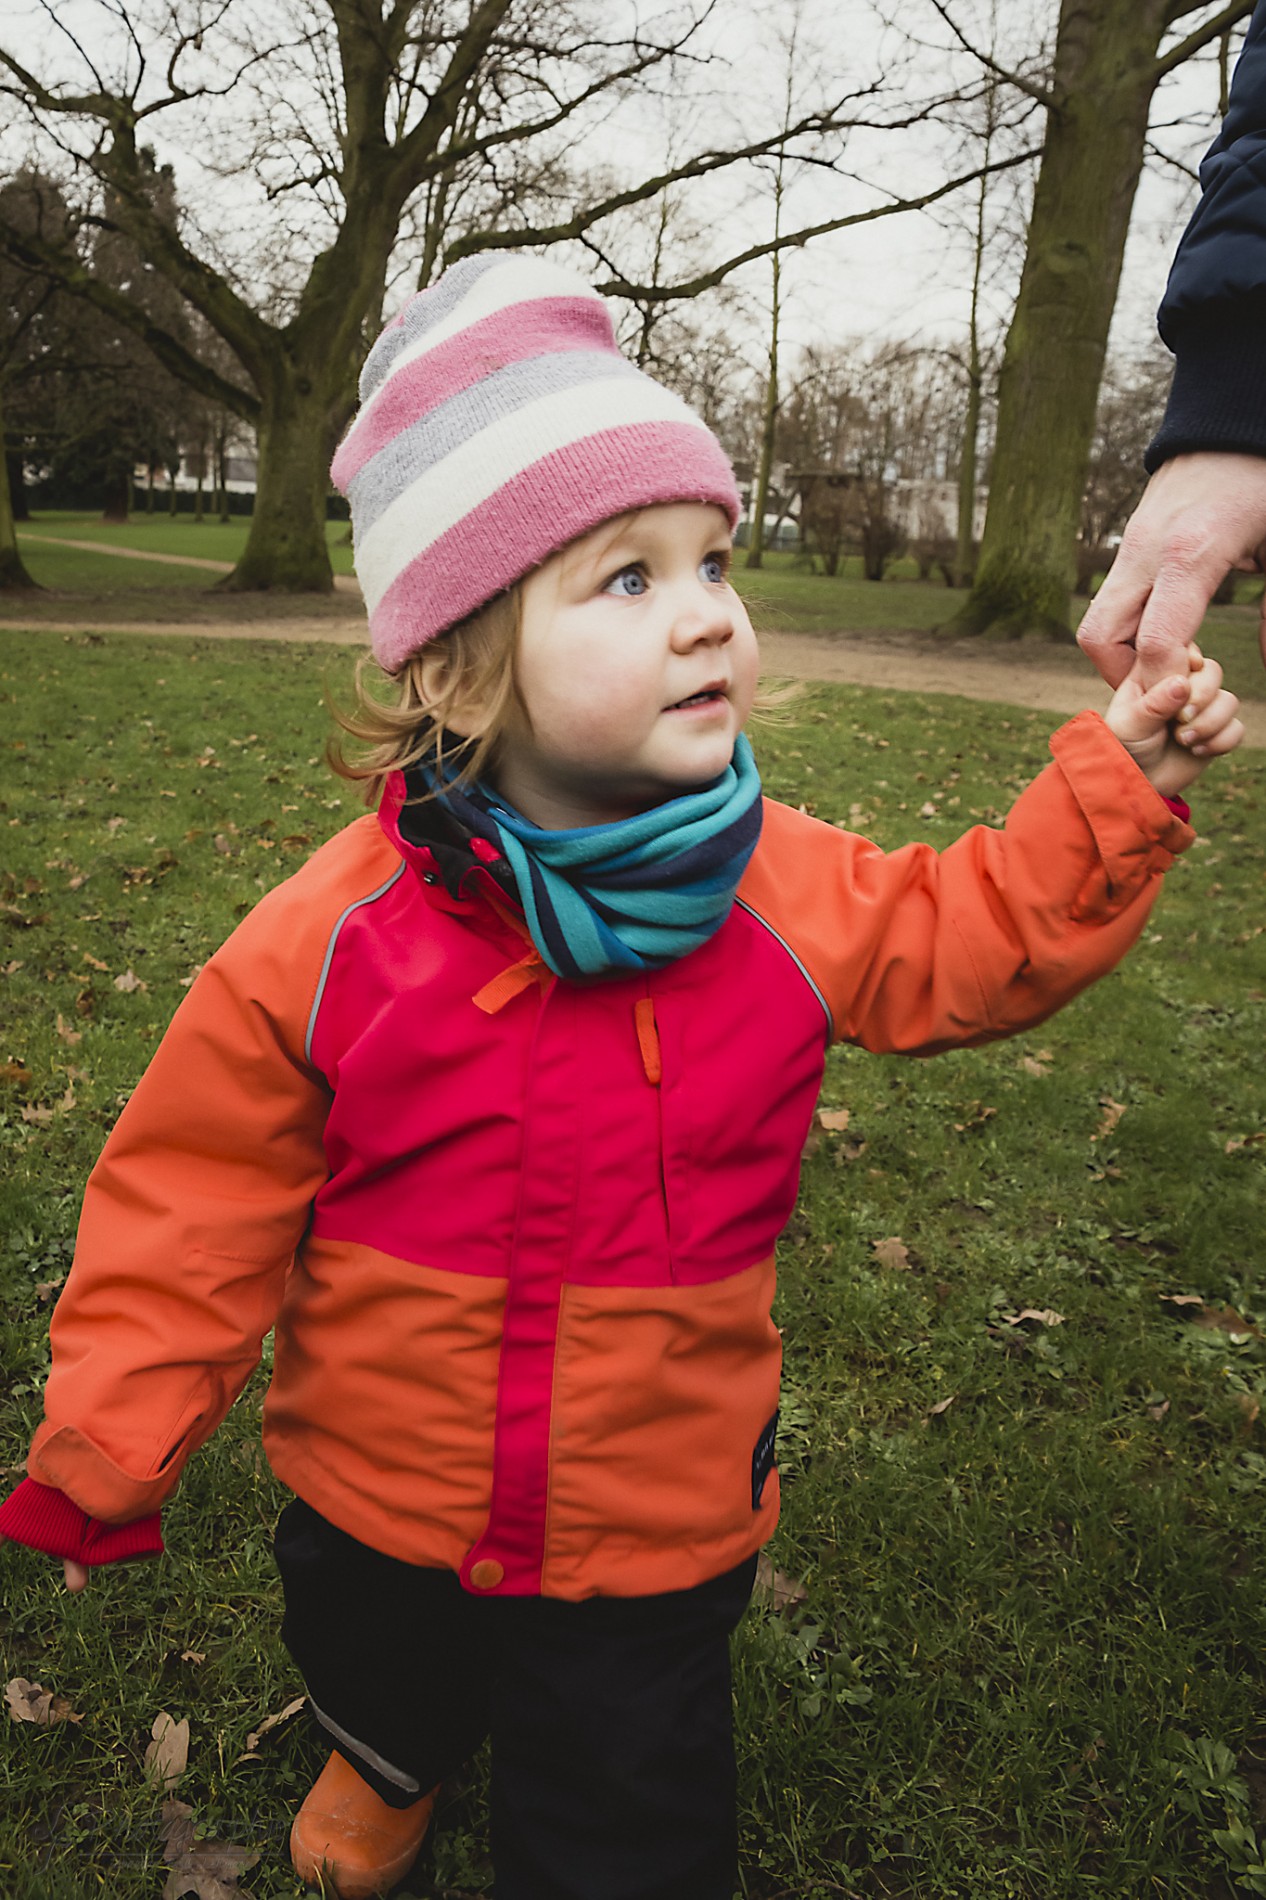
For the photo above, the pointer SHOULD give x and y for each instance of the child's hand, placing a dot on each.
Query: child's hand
(1173, 729)
(76, 1574)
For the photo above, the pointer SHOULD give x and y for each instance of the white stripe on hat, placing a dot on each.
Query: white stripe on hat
(485, 462)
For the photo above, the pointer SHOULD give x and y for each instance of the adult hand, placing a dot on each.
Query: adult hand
(1200, 516)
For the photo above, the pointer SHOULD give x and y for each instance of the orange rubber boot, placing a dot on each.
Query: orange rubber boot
(347, 1841)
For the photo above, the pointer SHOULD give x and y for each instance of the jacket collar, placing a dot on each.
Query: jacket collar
(450, 861)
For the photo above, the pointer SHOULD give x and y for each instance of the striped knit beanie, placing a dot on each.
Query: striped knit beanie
(498, 422)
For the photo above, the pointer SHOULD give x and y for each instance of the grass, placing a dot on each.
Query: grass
(784, 594)
(1029, 1660)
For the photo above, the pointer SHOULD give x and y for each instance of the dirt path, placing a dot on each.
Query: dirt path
(897, 662)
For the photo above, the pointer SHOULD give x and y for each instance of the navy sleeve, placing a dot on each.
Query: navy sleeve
(1213, 315)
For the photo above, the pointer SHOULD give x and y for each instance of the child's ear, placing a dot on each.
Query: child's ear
(464, 712)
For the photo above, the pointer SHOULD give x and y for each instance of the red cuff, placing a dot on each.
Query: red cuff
(1179, 807)
(45, 1519)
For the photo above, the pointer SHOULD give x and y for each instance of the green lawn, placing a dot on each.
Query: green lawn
(1031, 1658)
(784, 594)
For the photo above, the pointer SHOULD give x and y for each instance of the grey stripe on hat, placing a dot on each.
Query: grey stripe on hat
(435, 435)
(422, 312)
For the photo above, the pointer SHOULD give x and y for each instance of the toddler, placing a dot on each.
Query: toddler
(494, 1111)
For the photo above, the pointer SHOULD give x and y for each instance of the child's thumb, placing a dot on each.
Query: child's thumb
(1162, 702)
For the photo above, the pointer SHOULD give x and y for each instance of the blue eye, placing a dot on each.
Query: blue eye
(630, 582)
(713, 568)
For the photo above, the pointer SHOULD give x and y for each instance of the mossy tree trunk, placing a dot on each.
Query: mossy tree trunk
(1107, 67)
(13, 572)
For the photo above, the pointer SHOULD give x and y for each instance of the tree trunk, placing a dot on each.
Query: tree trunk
(286, 546)
(16, 467)
(1105, 74)
(769, 428)
(13, 574)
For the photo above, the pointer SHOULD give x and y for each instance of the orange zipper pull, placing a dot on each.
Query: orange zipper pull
(648, 1040)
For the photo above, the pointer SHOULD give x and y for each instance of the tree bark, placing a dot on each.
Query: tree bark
(286, 546)
(13, 574)
(768, 434)
(1106, 70)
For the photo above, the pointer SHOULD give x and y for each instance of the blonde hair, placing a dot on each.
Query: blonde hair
(415, 715)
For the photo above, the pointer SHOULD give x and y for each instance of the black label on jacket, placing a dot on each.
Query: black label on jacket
(763, 1460)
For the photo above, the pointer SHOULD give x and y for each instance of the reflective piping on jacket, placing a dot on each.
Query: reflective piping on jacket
(765, 925)
(396, 1776)
(329, 955)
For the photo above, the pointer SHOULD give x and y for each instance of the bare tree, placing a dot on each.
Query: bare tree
(1110, 57)
(349, 114)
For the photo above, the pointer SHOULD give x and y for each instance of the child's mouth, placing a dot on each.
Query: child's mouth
(710, 696)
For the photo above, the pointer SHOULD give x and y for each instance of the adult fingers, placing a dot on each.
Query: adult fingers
(1109, 624)
(1175, 608)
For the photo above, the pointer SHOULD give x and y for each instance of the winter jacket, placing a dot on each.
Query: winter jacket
(1213, 316)
(516, 1235)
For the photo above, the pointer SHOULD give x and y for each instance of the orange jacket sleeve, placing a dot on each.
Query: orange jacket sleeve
(918, 951)
(193, 1212)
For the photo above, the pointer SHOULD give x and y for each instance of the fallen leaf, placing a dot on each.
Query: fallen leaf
(223, 845)
(186, 981)
(45, 1289)
(1182, 1299)
(892, 1253)
(85, 1002)
(1032, 1065)
(208, 1869)
(941, 1407)
(68, 1101)
(167, 1756)
(16, 1074)
(1112, 1113)
(1225, 1320)
(12, 967)
(115, 824)
(977, 1113)
(1251, 1406)
(94, 964)
(274, 1721)
(1043, 1315)
(786, 1593)
(1237, 1142)
(66, 1034)
(32, 1702)
(129, 982)
(850, 1150)
(834, 1120)
(36, 1115)
(77, 882)
(193, 1655)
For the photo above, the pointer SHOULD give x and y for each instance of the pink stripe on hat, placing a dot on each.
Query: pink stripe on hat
(439, 390)
(507, 336)
(540, 511)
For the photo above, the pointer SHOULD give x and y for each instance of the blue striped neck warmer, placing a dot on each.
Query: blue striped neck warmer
(634, 895)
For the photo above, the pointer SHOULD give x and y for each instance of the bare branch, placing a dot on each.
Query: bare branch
(1043, 94)
(1202, 35)
(792, 240)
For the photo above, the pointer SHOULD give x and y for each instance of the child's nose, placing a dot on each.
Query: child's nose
(704, 619)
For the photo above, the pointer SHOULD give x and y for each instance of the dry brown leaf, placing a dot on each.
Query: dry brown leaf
(1182, 1299)
(193, 1655)
(978, 1113)
(45, 1289)
(186, 981)
(1043, 1315)
(12, 967)
(942, 1406)
(66, 1034)
(1158, 1410)
(16, 1074)
(1225, 1319)
(129, 983)
(1237, 1142)
(115, 824)
(1112, 1113)
(785, 1592)
(274, 1721)
(223, 845)
(32, 1702)
(36, 1115)
(1251, 1406)
(1033, 1065)
(892, 1253)
(850, 1150)
(207, 1869)
(834, 1120)
(167, 1755)
(94, 963)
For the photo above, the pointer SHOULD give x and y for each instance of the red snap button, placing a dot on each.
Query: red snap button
(487, 1573)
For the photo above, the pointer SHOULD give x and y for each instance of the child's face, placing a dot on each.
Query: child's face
(637, 668)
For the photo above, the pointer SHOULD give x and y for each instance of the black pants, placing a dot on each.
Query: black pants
(611, 1719)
